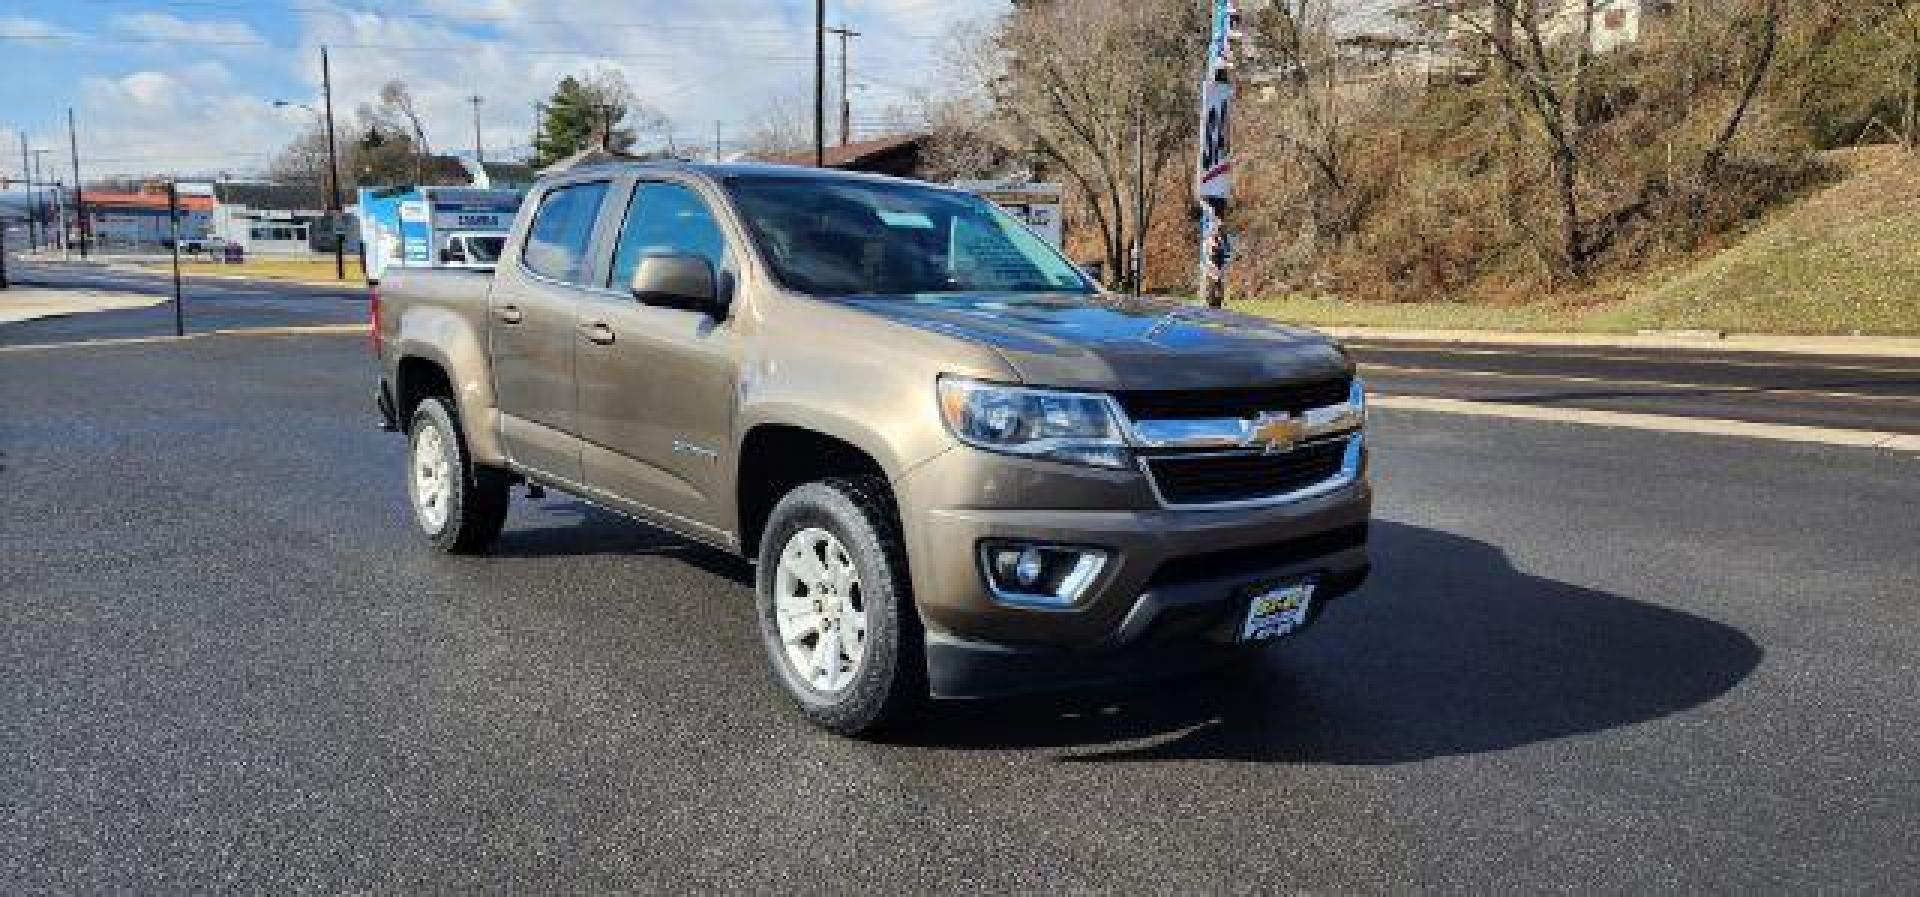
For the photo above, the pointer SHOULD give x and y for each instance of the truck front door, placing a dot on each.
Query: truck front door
(656, 384)
(531, 322)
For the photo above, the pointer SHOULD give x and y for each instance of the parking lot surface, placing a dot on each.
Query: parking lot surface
(1605, 659)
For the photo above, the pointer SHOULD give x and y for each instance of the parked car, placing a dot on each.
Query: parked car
(960, 467)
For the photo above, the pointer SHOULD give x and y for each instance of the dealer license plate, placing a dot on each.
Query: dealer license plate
(1277, 610)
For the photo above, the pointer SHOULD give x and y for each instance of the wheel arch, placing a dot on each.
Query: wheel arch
(775, 457)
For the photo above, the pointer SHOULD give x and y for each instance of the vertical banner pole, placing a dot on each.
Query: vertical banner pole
(1213, 182)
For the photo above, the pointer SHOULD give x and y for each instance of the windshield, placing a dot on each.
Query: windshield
(830, 237)
(485, 249)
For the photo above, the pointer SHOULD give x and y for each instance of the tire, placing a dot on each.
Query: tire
(460, 507)
(885, 682)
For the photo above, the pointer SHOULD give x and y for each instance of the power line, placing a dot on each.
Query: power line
(483, 19)
(265, 45)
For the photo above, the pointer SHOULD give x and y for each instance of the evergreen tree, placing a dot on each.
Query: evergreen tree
(584, 113)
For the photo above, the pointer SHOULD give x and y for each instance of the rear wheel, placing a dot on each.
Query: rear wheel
(459, 506)
(836, 612)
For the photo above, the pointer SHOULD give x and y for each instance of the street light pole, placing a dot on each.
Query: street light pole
(479, 150)
(39, 207)
(26, 171)
(338, 212)
(79, 192)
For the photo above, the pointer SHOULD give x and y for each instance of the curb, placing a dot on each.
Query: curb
(1866, 346)
(1703, 426)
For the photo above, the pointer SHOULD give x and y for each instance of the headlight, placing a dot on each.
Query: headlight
(1063, 426)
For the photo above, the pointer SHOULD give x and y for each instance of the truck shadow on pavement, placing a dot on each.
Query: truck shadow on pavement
(1448, 650)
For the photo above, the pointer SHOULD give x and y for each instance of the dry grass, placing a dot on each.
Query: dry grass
(275, 269)
(1844, 260)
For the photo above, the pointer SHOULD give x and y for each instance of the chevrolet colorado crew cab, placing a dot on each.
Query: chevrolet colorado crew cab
(960, 468)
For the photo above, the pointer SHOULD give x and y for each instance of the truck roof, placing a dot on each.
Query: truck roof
(723, 171)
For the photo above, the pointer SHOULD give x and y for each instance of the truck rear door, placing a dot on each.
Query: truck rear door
(531, 327)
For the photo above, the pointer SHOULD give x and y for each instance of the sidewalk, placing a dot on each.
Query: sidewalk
(29, 303)
(1873, 346)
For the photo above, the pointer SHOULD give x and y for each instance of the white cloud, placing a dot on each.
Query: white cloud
(700, 61)
(163, 27)
(21, 27)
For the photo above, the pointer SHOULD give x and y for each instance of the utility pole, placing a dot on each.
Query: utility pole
(716, 142)
(846, 105)
(79, 193)
(337, 212)
(819, 83)
(26, 171)
(479, 150)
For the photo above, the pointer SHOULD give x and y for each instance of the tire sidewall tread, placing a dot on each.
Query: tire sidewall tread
(478, 498)
(891, 683)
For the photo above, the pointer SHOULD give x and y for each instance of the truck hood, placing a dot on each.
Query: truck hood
(1118, 342)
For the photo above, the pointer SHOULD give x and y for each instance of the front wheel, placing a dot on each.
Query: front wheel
(836, 612)
(460, 507)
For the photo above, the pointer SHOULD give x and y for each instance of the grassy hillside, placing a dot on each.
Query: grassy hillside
(1845, 259)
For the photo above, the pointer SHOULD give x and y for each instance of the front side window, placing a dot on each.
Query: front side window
(831, 237)
(667, 219)
(557, 243)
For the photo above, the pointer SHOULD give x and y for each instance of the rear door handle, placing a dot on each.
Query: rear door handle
(597, 332)
(509, 313)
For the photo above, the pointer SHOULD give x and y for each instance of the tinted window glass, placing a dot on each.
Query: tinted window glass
(873, 238)
(667, 218)
(557, 244)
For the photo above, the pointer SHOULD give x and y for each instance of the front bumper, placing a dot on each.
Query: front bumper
(1167, 602)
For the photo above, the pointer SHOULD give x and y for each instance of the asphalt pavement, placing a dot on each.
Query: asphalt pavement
(1866, 393)
(1590, 659)
(210, 304)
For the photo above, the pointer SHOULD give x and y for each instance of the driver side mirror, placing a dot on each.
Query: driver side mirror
(678, 280)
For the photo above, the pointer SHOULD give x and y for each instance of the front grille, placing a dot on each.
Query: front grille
(1240, 476)
(1244, 402)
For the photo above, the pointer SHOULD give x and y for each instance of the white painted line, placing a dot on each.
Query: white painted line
(1865, 346)
(1808, 364)
(1653, 384)
(1901, 442)
(306, 330)
(88, 343)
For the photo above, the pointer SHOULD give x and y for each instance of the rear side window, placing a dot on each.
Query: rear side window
(557, 244)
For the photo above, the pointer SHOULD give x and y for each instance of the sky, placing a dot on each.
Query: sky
(187, 87)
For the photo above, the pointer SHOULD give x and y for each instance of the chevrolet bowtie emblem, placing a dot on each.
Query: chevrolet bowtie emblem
(1274, 433)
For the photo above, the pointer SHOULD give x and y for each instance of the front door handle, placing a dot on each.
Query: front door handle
(597, 332)
(509, 313)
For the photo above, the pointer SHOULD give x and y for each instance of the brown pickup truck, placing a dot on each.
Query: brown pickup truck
(960, 467)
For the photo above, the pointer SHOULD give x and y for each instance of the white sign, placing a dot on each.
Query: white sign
(1038, 205)
(415, 210)
(1216, 143)
(485, 221)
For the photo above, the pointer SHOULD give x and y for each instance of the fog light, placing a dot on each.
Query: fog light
(1042, 576)
(1028, 569)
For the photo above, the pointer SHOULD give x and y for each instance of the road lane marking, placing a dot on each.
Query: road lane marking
(1855, 346)
(1655, 384)
(1810, 365)
(1900, 442)
(297, 330)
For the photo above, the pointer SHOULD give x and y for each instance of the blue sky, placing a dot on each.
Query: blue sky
(186, 86)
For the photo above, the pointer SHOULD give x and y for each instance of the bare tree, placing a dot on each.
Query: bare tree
(397, 99)
(1072, 80)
